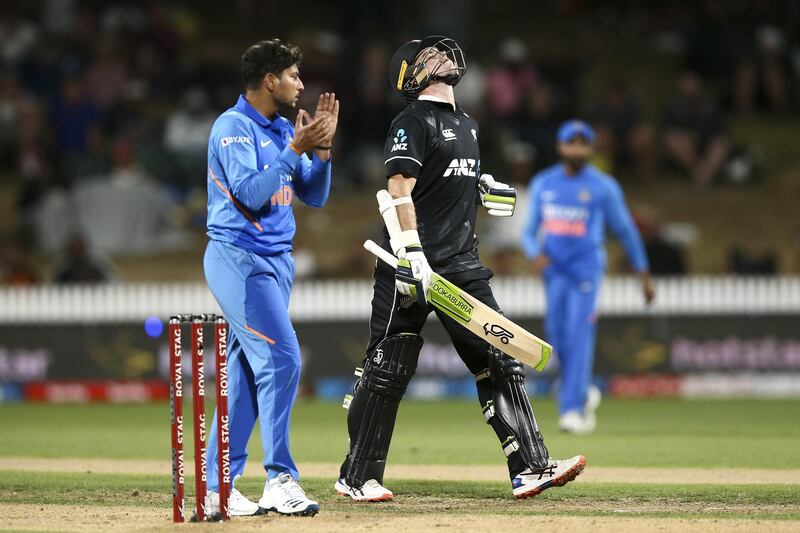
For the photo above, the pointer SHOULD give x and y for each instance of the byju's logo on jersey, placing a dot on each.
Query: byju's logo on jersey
(400, 141)
(460, 167)
(448, 135)
(225, 141)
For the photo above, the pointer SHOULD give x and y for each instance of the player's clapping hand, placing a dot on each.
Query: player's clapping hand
(310, 133)
(328, 107)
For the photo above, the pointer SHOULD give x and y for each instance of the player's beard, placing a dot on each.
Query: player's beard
(287, 102)
(575, 164)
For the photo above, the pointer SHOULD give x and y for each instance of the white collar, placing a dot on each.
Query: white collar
(431, 98)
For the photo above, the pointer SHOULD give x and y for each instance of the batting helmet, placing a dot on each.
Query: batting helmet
(408, 73)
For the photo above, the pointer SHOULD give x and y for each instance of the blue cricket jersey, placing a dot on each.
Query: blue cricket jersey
(567, 219)
(253, 174)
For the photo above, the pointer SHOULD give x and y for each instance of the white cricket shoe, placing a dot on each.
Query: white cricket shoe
(576, 422)
(238, 504)
(372, 491)
(284, 495)
(556, 474)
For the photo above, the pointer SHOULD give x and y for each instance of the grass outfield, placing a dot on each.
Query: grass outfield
(663, 434)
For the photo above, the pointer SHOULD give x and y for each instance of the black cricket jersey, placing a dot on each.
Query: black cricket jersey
(439, 147)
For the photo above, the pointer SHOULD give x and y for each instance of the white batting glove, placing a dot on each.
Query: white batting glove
(500, 199)
(413, 275)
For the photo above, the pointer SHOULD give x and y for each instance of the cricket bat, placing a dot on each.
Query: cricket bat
(479, 318)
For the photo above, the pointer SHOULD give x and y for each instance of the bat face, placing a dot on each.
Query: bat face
(488, 324)
(507, 336)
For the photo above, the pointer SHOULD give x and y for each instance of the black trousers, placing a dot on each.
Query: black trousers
(389, 317)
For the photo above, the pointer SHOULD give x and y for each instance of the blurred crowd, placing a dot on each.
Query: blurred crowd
(105, 107)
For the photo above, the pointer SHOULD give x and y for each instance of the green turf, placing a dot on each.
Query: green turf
(415, 496)
(668, 433)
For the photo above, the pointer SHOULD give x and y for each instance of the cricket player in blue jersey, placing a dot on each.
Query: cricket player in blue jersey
(257, 162)
(570, 205)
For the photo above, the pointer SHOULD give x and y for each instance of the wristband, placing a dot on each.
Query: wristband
(324, 147)
(293, 147)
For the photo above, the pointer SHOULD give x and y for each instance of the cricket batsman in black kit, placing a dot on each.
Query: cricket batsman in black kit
(434, 180)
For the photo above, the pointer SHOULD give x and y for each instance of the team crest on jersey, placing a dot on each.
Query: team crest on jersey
(448, 135)
(400, 140)
(460, 167)
(584, 196)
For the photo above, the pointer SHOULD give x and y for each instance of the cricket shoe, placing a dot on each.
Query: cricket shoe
(371, 491)
(582, 422)
(238, 504)
(576, 422)
(284, 495)
(556, 474)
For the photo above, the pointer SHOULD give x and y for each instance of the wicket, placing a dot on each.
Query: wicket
(197, 326)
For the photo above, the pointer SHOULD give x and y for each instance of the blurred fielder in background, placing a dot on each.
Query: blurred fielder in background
(570, 205)
(256, 163)
(435, 181)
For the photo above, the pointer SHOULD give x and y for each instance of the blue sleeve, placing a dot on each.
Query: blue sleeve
(530, 235)
(236, 153)
(621, 223)
(312, 180)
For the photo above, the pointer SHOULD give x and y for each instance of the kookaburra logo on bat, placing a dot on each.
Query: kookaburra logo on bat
(498, 331)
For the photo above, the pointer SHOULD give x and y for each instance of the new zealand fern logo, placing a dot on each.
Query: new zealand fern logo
(400, 140)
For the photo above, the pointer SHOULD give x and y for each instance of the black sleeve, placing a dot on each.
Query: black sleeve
(404, 150)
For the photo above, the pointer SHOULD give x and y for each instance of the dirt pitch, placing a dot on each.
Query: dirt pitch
(412, 513)
(89, 518)
(684, 476)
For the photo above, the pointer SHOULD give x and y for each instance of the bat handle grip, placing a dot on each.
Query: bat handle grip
(382, 254)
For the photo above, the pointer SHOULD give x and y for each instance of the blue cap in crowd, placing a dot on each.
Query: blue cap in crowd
(573, 128)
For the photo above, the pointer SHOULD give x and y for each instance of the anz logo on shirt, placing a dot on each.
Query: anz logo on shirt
(400, 141)
(460, 167)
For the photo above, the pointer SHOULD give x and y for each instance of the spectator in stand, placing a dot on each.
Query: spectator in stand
(186, 136)
(107, 76)
(17, 268)
(33, 161)
(695, 132)
(764, 72)
(369, 119)
(537, 123)
(716, 42)
(740, 50)
(509, 83)
(743, 261)
(666, 258)
(79, 266)
(73, 115)
(624, 139)
(17, 35)
(12, 100)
